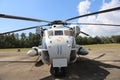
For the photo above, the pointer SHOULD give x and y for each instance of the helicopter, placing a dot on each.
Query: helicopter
(58, 47)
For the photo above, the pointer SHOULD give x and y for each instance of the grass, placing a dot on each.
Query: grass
(15, 50)
(93, 47)
(102, 46)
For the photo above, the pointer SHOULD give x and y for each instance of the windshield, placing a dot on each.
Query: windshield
(59, 32)
(68, 33)
(50, 33)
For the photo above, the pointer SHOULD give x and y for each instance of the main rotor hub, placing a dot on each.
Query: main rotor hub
(57, 22)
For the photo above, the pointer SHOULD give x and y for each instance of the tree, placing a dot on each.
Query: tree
(23, 40)
(90, 40)
(115, 39)
(97, 40)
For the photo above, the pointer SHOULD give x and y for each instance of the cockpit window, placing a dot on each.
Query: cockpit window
(68, 33)
(59, 32)
(50, 33)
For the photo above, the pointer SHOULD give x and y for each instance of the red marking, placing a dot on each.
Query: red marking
(59, 39)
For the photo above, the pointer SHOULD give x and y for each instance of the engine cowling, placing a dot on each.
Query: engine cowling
(32, 53)
(82, 51)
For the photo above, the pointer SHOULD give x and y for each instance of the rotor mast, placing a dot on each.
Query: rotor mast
(57, 24)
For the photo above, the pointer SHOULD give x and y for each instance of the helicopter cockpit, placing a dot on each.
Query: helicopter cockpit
(60, 33)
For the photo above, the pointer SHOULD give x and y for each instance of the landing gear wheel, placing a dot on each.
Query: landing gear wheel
(58, 71)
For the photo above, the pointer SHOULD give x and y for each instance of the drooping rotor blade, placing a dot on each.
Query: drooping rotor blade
(22, 29)
(21, 18)
(116, 25)
(84, 33)
(89, 14)
(17, 61)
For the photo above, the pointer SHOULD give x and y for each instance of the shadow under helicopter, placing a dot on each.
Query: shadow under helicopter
(85, 69)
(39, 63)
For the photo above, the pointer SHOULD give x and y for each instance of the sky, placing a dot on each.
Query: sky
(61, 10)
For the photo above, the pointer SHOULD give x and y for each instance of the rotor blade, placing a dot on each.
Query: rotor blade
(22, 29)
(84, 33)
(17, 61)
(21, 18)
(116, 25)
(89, 14)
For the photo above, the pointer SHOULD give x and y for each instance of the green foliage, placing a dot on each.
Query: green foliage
(23, 41)
(116, 39)
(19, 41)
(97, 40)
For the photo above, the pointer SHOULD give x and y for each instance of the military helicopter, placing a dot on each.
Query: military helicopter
(58, 42)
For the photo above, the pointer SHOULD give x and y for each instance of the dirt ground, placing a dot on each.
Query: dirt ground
(102, 64)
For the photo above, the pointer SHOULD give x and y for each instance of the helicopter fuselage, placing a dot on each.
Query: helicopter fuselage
(58, 48)
(60, 44)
